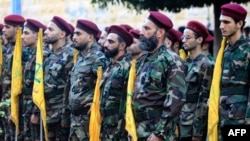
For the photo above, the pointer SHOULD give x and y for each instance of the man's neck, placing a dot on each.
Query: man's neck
(58, 44)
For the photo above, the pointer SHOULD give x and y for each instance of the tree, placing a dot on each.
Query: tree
(175, 6)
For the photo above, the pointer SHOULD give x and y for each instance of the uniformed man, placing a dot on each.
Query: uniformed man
(29, 37)
(173, 40)
(11, 24)
(235, 78)
(114, 85)
(159, 92)
(207, 47)
(56, 74)
(193, 117)
(103, 38)
(83, 78)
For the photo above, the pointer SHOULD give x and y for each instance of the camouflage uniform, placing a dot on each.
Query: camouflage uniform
(31, 131)
(113, 99)
(83, 78)
(234, 98)
(6, 88)
(57, 67)
(211, 58)
(193, 118)
(159, 94)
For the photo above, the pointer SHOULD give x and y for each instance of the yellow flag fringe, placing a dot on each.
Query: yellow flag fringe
(16, 80)
(95, 116)
(129, 116)
(213, 111)
(38, 88)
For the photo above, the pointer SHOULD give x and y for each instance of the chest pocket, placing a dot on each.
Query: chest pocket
(239, 66)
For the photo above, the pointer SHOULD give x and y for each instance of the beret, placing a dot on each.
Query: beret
(123, 33)
(15, 20)
(71, 28)
(198, 28)
(106, 28)
(234, 10)
(126, 26)
(174, 35)
(62, 24)
(34, 25)
(1, 27)
(209, 38)
(135, 33)
(88, 26)
(160, 20)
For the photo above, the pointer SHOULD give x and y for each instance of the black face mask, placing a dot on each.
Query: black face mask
(148, 44)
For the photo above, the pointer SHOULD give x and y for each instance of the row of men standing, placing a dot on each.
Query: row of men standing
(169, 91)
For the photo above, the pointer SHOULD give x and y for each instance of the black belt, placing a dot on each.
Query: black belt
(142, 116)
(54, 93)
(237, 90)
(79, 111)
(109, 112)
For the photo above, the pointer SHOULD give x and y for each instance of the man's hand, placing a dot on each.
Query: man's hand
(34, 119)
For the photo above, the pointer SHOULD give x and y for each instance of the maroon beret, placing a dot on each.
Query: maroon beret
(106, 28)
(126, 26)
(88, 26)
(62, 24)
(209, 38)
(34, 25)
(198, 28)
(160, 20)
(71, 28)
(128, 38)
(1, 27)
(135, 33)
(234, 10)
(15, 20)
(174, 35)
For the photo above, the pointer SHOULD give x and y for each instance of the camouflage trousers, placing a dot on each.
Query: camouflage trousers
(79, 128)
(147, 127)
(231, 114)
(57, 132)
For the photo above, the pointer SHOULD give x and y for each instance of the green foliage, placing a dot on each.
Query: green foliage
(170, 5)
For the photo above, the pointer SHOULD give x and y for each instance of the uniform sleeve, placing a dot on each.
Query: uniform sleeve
(175, 96)
(199, 124)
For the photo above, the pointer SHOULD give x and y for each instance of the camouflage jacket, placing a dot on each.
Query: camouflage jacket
(56, 74)
(235, 79)
(114, 92)
(83, 78)
(159, 92)
(194, 111)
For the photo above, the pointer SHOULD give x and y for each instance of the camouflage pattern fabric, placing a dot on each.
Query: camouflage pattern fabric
(193, 117)
(57, 67)
(234, 99)
(159, 94)
(83, 79)
(113, 100)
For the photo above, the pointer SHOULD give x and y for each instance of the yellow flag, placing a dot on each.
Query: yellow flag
(129, 116)
(16, 80)
(1, 57)
(213, 111)
(38, 88)
(95, 116)
(182, 54)
(75, 55)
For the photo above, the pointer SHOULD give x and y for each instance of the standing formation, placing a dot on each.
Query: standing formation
(178, 92)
